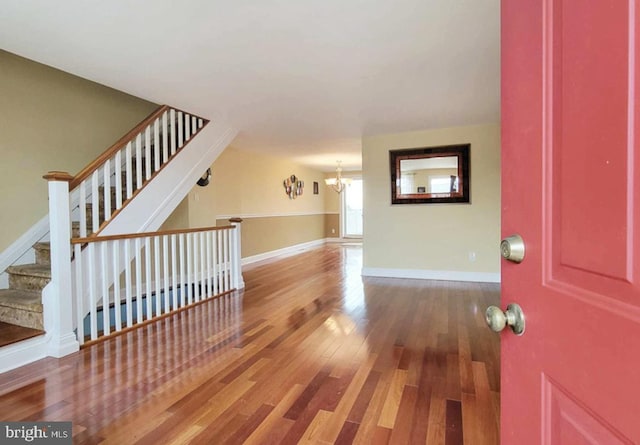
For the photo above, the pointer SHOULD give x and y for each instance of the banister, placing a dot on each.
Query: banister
(109, 152)
(97, 162)
(96, 239)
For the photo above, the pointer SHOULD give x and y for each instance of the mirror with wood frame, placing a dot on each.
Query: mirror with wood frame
(430, 175)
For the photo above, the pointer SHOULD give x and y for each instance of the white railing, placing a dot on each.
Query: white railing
(106, 185)
(122, 281)
(93, 197)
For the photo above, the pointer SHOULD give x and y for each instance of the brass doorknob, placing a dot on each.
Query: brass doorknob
(512, 317)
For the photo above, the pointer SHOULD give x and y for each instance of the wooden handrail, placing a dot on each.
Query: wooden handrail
(95, 239)
(90, 168)
(97, 162)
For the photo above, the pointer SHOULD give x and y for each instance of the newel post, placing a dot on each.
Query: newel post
(238, 281)
(57, 296)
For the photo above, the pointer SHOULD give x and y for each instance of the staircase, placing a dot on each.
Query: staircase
(122, 170)
(21, 303)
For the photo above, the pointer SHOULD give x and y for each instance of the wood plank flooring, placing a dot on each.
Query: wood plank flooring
(310, 352)
(11, 333)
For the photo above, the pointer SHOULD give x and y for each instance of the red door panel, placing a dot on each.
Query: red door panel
(571, 189)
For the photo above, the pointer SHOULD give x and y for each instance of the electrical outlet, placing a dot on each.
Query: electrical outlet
(472, 257)
(333, 231)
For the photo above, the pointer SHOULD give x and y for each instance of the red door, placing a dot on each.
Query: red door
(571, 189)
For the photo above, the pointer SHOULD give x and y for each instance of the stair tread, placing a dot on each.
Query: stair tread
(42, 245)
(37, 270)
(21, 299)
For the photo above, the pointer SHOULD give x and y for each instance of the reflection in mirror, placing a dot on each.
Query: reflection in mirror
(430, 175)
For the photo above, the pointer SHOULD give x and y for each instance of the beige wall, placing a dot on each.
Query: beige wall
(249, 185)
(433, 237)
(260, 235)
(51, 120)
(332, 225)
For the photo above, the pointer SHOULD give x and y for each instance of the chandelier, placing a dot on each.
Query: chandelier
(338, 182)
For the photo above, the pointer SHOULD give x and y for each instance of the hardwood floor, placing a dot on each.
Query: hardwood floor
(310, 353)
(11, 333)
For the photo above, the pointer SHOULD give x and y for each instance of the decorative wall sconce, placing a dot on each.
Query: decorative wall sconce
(293, 186)
(204, 179)
(338, 183)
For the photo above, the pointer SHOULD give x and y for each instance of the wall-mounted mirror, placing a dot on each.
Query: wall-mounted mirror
(430, 175)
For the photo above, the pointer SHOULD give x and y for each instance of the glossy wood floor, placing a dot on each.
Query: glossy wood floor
(310, 353)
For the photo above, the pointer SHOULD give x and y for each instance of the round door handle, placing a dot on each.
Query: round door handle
(513, 317)
(512, 248)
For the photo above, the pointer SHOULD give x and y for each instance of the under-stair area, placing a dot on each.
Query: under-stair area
(127, 192)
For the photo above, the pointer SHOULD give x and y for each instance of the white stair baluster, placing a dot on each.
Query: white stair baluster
(187, 127)
(116, 286)
(180, 129)
(128, 282)
(174, 273)
(95, 202)
(118, 178)
(189, 269)
(165, 137)
(107, 190)
(156, 262)
(138, 262)
(147, 153)
(147, 274)
(83, 209)
(139, 161)
(165, 261)
(194, 125)
(106, 319)
(93, 315)
(195, 237)
(226, 261)
(79, 292)
(220, 262)
(214, 261)
(183, 278)
(209, 273)
(174, 131)
(129, 170)
(203, 266)
(156, 145)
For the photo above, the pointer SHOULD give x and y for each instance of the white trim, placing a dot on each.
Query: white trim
(22, 353)
(23, 244)
(273, 215)
(285, 251)
(338, 240)
(420, 274)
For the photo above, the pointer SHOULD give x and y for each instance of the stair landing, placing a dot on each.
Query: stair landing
(10, 333)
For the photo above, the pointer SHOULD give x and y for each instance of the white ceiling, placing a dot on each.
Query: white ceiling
(300, 78)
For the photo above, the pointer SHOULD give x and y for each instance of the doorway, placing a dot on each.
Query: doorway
(352, 209)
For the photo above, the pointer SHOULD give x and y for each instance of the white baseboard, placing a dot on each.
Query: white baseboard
(420, 274)
(343, 240)
(22, 353)
(285, 251)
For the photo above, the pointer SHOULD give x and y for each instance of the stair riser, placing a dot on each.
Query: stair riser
(27, 282)
(21, 317)
(43, 255)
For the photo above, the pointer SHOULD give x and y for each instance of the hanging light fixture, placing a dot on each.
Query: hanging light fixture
(338, 182)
